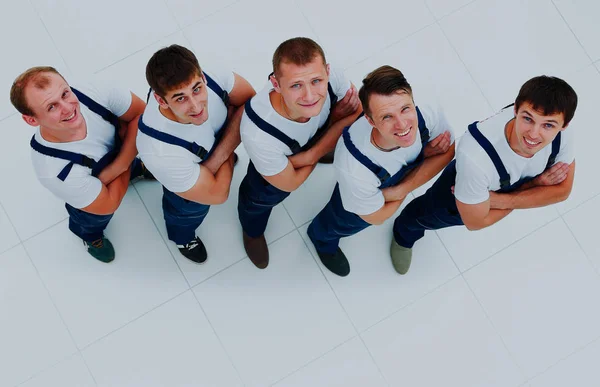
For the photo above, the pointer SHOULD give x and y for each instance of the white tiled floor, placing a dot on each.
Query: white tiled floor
(514, 305)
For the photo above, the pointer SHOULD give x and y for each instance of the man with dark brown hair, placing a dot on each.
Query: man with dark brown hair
(84, 149)
(522, 157)
(393, 149)
(187, 136)
(286, 128)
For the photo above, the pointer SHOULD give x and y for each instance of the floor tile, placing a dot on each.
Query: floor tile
(70, 373)
(30, 207)
(443, 339)
(131, 71)
(31, 46)
(32, 334)
(83, 35)
(9, 236)
(171, 346)
(583, 222)
(373, 290)
(468, 248)
(579, 15)
(249, 50)
(538, 296)
(190, 11)
(95, 298)
(586, 185)
(345, 44)
(443, 81)
(309, 199)
(274, 321)
(499, 67)
(441, 8)
(221, 231)
(349, 365)
(580, 369)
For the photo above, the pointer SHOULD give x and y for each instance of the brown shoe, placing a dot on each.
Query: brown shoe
(257, 250)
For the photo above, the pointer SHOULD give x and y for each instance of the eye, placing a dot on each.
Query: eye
(527, 119)
(387, 116)
(316, 81)
(197, 89)
(180, 99)
(548, 126)
(405, 109)
(296, 86)
(51, 107)
(65, 94)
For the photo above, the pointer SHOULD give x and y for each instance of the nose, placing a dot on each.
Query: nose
(308, 93)
(196, 105)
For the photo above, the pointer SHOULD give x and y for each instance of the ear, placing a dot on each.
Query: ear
(275, 83)
(163, 104)
(369, 120)
(328, 68)
(564, 127)
(30, 120)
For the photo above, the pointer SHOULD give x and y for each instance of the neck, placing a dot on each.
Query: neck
(381, 143)
(283, 110)
(68, 135)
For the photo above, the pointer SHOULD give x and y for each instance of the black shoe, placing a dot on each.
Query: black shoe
(146, 174)
(194, 251)
(257, 250)
(101, 249)
(235, 159)
(336, 263)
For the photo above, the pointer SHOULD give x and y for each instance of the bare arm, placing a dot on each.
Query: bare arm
(384, 213)
(242, 91)
(478, 216)
(128, 133)
(211, 189)
(552, 186)
(110, 196)
(420, 175)
(290, 178)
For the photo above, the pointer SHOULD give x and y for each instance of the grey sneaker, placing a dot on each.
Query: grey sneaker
(401, 257)
(101, 249)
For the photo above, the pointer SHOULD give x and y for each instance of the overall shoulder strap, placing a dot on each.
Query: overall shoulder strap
(380, 172)
(423, 130)
(555, 150)
(491, 151)
(100, 110)
(72, 157)
(192, 147)
(270, 129)
(214, 86)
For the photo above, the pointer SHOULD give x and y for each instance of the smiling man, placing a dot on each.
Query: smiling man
(393, 149)
(187, 136)
(286, 129)
(523, 157)
(84, 148)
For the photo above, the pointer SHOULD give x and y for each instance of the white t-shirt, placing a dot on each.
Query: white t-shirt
(475, 171)
(268, 154)
(80, 188)
(175, 167)
(359, 187)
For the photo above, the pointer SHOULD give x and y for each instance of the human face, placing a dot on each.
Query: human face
(56, 107)
(533, 131)
(188, 103)
(395, 118)
(303, 88)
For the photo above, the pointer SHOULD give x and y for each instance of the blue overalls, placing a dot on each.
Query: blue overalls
(182, 216)
(436, 209)
(335, 222)
(257, 197)
(85, 225)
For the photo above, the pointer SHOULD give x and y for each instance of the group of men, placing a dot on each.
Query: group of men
(91, 140)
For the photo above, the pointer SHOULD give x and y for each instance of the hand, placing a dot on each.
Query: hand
(394, 193)
(302, 159)
(108, 175)
(212, 165)
(346, 105)
(438, 145)
(553, 175)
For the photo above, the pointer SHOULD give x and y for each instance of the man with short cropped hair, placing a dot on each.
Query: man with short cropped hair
(187, 136)
(522, 157)
(286, 128)
(393, 149)
(84, 148)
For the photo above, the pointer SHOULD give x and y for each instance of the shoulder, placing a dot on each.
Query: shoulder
(223, 76)
(339, 83)
(115, 98)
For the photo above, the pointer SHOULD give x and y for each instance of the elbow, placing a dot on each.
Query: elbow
(221, 197)
(473, 226)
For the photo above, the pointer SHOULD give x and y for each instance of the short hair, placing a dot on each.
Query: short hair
(299, 51)
(384, 80)
(40, 80)
(549, 95)
(170, 68)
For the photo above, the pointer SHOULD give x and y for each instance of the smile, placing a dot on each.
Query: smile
(197, 115)
(403, 134)
(71, 117)
(532, 143)
(310, 105)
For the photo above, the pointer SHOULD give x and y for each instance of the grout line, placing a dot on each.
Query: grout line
(204, 17)
(172, 13)
(592, 263)
(50, 36)
(2, 209)
(451, 12)
(312, 28)
(88, 368)
(573, 32)
(583, 202)
(237, 371)
(487, 316)
(10, 115)
(43, 231)
(50, 367)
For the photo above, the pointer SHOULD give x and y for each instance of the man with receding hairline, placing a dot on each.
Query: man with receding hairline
(84, 148)
(286, 129)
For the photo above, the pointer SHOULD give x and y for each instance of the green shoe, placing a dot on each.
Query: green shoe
(101, 249)
(401, 257)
